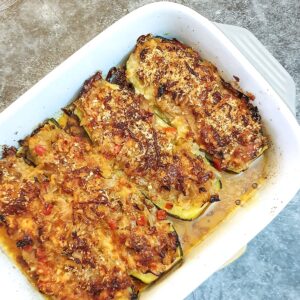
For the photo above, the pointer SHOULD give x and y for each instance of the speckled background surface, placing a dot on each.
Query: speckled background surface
(37, 35)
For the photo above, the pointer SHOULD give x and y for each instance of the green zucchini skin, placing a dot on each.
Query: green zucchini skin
(236, 171)
(161, 115)
(177, 213)
(149, 278)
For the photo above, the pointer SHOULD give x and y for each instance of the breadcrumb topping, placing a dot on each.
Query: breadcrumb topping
(174, 77)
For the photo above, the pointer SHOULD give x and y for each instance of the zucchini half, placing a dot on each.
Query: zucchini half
(189, 213)
(194, 211)
(84, 109)
(26, 146)
(172, 76)
(149, 277)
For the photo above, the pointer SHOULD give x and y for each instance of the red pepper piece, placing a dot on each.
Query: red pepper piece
(170, 129)
(161, 215)
(217, 164)
(47, 209)
(112, 224)
(169, 205)
(141, 221)
(39, 150)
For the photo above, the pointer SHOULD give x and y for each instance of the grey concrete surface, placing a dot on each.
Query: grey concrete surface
(37, 35)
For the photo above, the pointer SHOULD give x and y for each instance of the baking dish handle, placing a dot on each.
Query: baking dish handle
(272, 71)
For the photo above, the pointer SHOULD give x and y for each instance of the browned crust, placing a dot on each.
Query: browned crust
(225, 122)
(117, 75)
(89, 82)
(8, 151)
(119, 119)
(62, 214)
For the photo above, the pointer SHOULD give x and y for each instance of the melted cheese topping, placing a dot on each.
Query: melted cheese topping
(174, 77)
(79, 224)
(151, 152)
(80, 235)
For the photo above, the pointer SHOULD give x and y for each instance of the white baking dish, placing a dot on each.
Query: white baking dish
(110, 48)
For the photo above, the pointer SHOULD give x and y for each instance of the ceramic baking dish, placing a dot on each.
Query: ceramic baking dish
(110, 48)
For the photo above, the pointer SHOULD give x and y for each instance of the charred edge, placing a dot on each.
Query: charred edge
(117, 75)
(26, 241)
(254, 113)
(173, 41)
(235, 92)
(162, 38)
(2, 219)
(53, 121)
(40, 126)
(174, 235)
(178, 43)
(89, 83)
(214, 198)
(190, 69)
(8, 151)
(135, 294)
(29, 162)
(143, 38)
(21, 142)
(35, 131)
(69, 110)
(236, 78)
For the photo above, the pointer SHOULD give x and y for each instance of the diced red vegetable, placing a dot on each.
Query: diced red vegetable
(161, 215)
(27, 248)
(41, 255)
(112, 224)
(39, 150)
(217, 164)
(47, 209)
(78, 138)
(170, 129)
(153, 266)
(141, 221)
(169, 205)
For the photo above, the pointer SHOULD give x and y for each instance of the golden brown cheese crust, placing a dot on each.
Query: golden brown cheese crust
(127, 131)
(79, 234)
(173, 76)
(66, 257)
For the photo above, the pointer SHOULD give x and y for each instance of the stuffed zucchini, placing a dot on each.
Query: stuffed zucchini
(138, 236)
(175, 78)
(151, 152)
